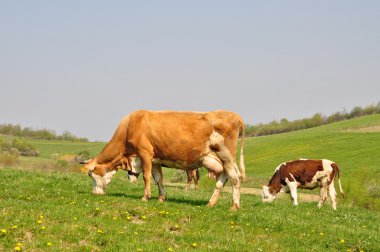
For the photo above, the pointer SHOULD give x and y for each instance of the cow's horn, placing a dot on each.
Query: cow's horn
(84, 162)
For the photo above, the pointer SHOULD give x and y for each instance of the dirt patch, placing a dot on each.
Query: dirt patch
(369, 129)
(247, 190)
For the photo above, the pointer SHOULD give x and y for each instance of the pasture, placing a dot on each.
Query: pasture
(48, 207)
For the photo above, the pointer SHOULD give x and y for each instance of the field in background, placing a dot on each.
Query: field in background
(45, 205)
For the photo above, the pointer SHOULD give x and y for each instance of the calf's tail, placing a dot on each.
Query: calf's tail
(340, 185)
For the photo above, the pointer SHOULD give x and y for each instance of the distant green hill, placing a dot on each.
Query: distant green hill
(353, 144)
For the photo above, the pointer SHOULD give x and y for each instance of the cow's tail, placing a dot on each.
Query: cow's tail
(241, 160)
(340, 184)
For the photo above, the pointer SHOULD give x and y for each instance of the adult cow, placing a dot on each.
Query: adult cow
(181, 140)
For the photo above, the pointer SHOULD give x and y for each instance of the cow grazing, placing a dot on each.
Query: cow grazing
(305, 174)
(181, 140)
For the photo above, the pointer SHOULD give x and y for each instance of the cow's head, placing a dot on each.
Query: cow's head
(266, 195)
(101, 175)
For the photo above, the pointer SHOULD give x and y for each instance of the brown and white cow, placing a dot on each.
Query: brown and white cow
(181, 140)
(305, 174)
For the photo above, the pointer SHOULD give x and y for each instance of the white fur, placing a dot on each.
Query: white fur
(99, 183)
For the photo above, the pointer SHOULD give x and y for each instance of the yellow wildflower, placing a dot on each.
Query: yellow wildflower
(170, 249)
(43, 228)
(15, 226)
(194, 244)
(341, 240)
(3, 231)
(18, 248)
(49, 244)
(39, 221)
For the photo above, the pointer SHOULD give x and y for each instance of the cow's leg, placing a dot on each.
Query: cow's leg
(322, 194)
(229, 166)
(332, 194)
(195, 176)
(158, 178)
(234, 176)
(189, 174)
(293, 192)
(222, 179)
(146, 162)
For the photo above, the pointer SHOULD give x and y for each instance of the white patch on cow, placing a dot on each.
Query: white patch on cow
(266, 196)
(278, 167)
(99, 183)
(327, 165)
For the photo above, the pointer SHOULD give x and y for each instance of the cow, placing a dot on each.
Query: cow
(305, 174)
(181, 140)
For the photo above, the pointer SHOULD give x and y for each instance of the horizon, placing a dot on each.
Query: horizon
(81, 66)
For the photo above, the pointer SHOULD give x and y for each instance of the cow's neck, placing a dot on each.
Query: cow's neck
(275, 183)
(114, 151)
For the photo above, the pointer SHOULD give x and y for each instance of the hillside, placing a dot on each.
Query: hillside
(45, 206)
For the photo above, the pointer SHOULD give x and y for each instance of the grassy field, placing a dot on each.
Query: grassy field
(53, 210)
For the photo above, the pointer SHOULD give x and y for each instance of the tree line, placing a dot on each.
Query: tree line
(43, 134)
(318, 119)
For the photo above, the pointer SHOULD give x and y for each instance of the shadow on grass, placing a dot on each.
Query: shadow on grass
(193, 202)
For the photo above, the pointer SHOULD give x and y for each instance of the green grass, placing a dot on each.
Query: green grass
(75, 220)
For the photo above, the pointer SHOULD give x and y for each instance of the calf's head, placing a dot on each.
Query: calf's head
(266, 195)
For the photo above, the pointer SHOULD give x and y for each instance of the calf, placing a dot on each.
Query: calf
(305, 174)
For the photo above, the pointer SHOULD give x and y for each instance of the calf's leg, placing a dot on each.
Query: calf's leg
(332, 194)
(322, 194)
(293, 192)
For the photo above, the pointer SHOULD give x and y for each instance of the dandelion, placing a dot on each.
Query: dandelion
(170, 249)
(39, 221)
(18, 248)
(143, 217)
(49, 244)
(43, 228)
(321, 233)
(15, 226)
(194, 245)
(341, 240)
(41, 217)
(100, 231)
(19, 244)
(97, 209)
(128, 217)
(3, 231)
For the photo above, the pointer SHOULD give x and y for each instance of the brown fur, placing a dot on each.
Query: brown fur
(302, 170)
(171, 136)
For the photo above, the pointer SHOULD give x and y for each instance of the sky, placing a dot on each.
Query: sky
(81, 66)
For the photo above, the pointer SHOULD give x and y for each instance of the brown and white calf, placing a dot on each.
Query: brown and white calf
(305, 174)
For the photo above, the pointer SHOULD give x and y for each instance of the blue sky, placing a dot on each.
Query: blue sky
(82, 65)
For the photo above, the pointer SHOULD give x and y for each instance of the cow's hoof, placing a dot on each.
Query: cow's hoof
(162, 198)
(234, 207)
(211, 204)
(144, 198)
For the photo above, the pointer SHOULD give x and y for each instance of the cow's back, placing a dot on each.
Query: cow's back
(170, 135)
(302, 170)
